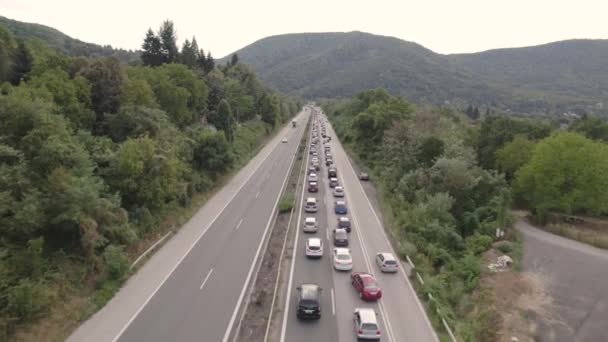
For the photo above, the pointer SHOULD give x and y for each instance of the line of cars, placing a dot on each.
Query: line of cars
(309, 295)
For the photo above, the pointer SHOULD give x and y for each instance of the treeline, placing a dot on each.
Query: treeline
(445, 207)
(94, 153)
(550, 168)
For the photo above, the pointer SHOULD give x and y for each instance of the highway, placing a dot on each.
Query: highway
(193, 288)
(400, 313)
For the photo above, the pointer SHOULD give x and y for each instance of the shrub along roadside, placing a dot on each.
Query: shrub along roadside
(443, 207)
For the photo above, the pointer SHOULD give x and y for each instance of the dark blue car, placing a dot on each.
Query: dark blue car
(340, 208)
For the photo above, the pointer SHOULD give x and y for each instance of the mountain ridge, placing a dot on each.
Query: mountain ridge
(524, 80)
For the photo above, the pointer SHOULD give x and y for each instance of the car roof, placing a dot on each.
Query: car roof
(310, 219)
(309, 291)
(340, 203)
(368, 315)
(343, 218)
(340, 231)
(311, 199)
(333, 178)
(313, 241)
(342, 251)
(339, 188)
(388, 256)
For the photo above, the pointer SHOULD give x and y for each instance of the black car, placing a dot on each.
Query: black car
(313, 187)
(332, 172)
(309, 301)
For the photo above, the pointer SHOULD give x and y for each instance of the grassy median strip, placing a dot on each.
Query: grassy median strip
(255, 320)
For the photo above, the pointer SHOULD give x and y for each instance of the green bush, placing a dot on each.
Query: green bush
(116, 260)
(505, 247)
(286, 203)
(478, 243)
(27, 299)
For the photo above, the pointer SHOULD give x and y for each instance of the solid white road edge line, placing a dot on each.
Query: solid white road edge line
(239, 224)
(387, 323)
(276, 143)
(257, 253)
(333, 302)
(295, 248)
(426, 318)
(206, 278)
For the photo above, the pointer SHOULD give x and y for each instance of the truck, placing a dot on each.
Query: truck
(293, 123)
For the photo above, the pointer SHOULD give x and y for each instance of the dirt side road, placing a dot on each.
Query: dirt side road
(575, 276)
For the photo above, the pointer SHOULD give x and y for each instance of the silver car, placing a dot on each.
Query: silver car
(387, 262)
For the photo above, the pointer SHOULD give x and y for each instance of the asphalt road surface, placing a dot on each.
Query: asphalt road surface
(192, 288)
(400, 313)
(576, 278)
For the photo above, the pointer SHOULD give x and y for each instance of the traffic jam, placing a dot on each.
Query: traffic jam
(365, 321)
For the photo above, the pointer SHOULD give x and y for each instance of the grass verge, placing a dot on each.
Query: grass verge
(591, 237)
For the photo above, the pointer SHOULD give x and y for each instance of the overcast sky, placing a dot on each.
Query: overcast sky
(445, 26)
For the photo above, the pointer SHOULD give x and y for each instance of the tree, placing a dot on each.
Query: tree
(168, 40)
(268, 110)
(566, 172)
(209, 63)
(497, 130)
(513, 155)
(188, 54)
(234, 60)
(151, 54)
(212, 152)
(22, 63)
(106, 77)
(592, 127)
(201, 61)
(224, 120)
(7, 47)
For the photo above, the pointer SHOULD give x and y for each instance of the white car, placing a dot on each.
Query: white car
(313, 177)
(342, 259)
(314, 159)
(366, 324)
(338, 191)
(284, 140)
(387, 262)
(314, 248)
(310, 225)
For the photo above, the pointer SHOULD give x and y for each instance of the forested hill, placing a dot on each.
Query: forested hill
(64, 43)
(553, 78)
(99, 158)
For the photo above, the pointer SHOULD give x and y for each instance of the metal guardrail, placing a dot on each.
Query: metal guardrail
(430, 296)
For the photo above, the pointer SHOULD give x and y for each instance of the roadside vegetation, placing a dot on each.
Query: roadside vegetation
(448, 180)
(98, 156)
(444, 207)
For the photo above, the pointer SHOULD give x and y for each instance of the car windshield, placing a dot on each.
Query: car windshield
(369, 326)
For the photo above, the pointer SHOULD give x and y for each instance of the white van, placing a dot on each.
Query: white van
(310, 225)
(366, 324)
(311, 205)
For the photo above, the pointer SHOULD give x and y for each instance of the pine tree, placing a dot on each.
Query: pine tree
(168, 40)
(201, 62)
(476, 113)
(151, 54)
(209, 63)
(194, 46)
(234, 60)
(22, 63)
(188, 55)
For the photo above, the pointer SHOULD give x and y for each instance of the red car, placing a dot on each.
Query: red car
(366, 285)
